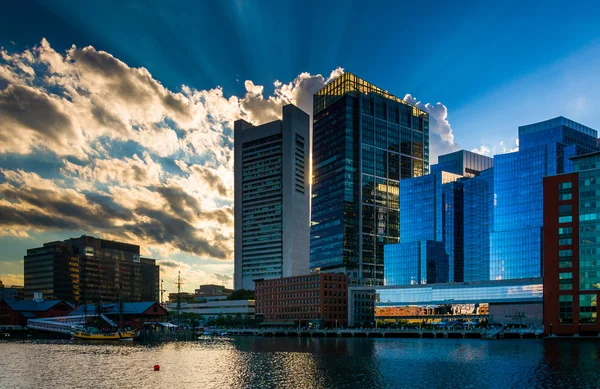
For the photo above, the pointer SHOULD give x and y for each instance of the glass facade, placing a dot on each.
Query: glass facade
(589, 222)
(419, 262)
(478, 223)
(463, 162)
(464, 293)
(365, 142)
(544, 149)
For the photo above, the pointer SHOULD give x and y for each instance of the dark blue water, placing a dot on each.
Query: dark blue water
(254, 362)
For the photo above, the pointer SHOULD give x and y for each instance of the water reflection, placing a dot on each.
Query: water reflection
(254, 362)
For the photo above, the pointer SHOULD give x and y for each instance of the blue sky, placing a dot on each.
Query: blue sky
(492, 66)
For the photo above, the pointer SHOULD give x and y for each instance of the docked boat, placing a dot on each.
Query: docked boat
(91, 333)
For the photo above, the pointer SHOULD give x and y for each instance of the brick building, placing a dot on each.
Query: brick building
(572, 249)
(319, 299)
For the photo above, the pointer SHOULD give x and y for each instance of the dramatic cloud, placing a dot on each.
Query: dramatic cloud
(131, 159)
(441, 136)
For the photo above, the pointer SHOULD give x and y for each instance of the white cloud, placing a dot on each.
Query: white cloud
(441, 135)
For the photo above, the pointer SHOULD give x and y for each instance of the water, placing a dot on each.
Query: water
(255, 362)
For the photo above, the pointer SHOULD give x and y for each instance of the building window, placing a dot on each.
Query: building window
(587, 308)
(565, 258)
(565, 185)
(565, 281)
(565, 309)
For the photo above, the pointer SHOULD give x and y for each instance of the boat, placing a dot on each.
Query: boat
(92, 333)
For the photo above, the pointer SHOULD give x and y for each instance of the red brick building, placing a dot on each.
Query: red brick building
(16, 313)
(316, 298)
(571, 248)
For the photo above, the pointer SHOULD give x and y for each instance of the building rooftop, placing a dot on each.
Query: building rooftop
(136, 308)
(348, 82)
(556, 122)
(31, 305)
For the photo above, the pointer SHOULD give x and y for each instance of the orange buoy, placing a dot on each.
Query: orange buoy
(156, 368)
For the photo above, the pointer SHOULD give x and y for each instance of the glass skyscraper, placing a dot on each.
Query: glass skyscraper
(432, 211)
(478, 217)
(365, 142)
(544, 149)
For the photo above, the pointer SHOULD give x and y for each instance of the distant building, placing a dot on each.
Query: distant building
(366, 141)
(316, 298)
(572, 249)
(213, 309)
(14, 314)
(506, 302)
(182, 296)
(89, 269)
(544, 149)
(13, 292)
(272, 198)
(212, 292)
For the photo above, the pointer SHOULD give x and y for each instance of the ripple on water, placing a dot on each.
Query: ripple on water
(254, 362)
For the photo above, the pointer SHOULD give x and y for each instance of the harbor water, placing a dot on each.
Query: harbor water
(257, 362)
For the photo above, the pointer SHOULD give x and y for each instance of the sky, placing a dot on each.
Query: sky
(116, 117)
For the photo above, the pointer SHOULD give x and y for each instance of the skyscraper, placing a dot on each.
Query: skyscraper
(365, 141)
(90, 269)
(432, 209)
(478, 219)
(272, 198)
(544, 149)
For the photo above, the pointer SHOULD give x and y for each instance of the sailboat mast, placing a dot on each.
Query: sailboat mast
(178, 296)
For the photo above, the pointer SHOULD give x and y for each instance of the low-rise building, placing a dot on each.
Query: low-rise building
(213, 309)
(508, 302)
(182, 296)
(13, 292)
(134, 315)
(14, 313)
(211, 292)
(320, 299)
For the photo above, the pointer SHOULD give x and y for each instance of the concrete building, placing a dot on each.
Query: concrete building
(272, 198)
(318, 299)
(211, 292)
(572, 249)
(89, 269)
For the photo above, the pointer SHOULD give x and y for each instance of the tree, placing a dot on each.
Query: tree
(241, 294)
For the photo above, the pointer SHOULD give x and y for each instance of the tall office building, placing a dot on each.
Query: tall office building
(432, 210)
(544, 149)
(572, 249)
(478, 220)
(90, 269)
(272, 198)
(365, 141)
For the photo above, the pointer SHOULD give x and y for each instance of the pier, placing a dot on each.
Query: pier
(473, 333)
